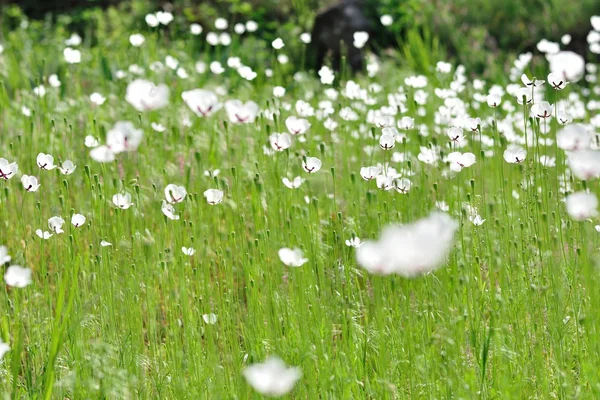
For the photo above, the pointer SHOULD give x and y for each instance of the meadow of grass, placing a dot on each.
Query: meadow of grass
(120, 307)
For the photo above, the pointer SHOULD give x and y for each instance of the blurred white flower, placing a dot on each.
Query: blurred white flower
(410, 250)
(292, 257)
(17, 276)
(582, 205)
(78, 220)
(188, 251)
(195, 29)
(272, 378)
(137, 39)
(72, 56)
(122, 201)
(278, 44)
(146, 96)
(213, 196)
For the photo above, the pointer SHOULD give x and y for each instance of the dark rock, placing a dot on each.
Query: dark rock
(333, 32)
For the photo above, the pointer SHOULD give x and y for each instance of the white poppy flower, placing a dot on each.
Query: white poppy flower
(67, 167)
(354, 242)
(582, 205)
(55, 224)
(78, 220)
(195, 29)
(297, 126)
(458, 160)
(278, 44)
(514, 154)
(210, 319)
(175, 194)
(292, 257)
(311, 164)
(17, 276)
(241, 113)
(202, 102)
(137, 39)
(188, 251)
(144, 95)
(122, 201)
(213, 196)
(169, 211)
(280, 141)
(30, 183)
(102, 154)
(410, 250)
(272, 378)
(72, 56)
(294, 183)
(43, 234)
(45, 161)
(4, 257)
(124, 137)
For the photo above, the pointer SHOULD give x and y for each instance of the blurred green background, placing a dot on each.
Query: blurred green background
(476, 33)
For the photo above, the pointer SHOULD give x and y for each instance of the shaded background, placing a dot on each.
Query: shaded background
(477, 33)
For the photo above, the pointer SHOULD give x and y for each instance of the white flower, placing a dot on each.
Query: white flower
(188, 251)
(278, 91)
(225, 39)
(104, 243)
(55, 224)
(97, 99)
(384, 182)
(137, 39)
(582, 205)
(311, 164)
(169, 211)
(17, 276)
(202, 102)
(241, 113)
(556, 81)
(353, 242)
(74, 40)
(515, 154)
(410, 250)
(360, 39)
(297, 126)
(239, 28)
(272, 377)
(212, 38)
(175, 194)
(102, 154)
(213, 196)
(280, 141)
(151, 20)
(91, 141)
(158, 127)
(221, 24)
(164, 17)
(368, 173)
(195, 29)
(293, 184)
(4, 348)
(78, 220)
(4, 257)
(455, 134)
(541, 110)
(143, 95)
(43, 234)
(386, 20)
(493, 100)
(524, 95)
(573, 137)
(7, 170)
(402, 185)
(531, 82)
(458, 160)
(476, 219)
(72, 56)
(387, 141)
(305, 38)
(30, 183)
(292, 257)
(567, 65)
(406, 123)
(210, 319)
(124, 137)
(278, 44)
(67, 167)
(45, 161)
(251, 26)
(584, 164)
(54, 81)
(39, 91)
(122, 201)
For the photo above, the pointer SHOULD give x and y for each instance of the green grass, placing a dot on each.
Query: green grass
(511, 314)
